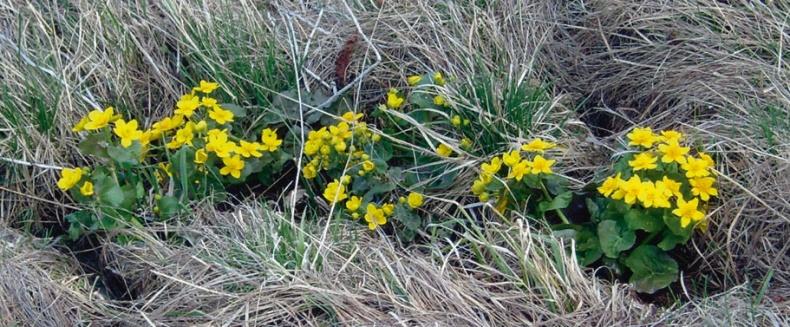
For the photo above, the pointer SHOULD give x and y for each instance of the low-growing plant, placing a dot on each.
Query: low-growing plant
(658, 195)
(196, 152)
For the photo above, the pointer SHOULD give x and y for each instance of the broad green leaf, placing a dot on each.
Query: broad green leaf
(377, 189)
(588, 247)
(238, 111)
(109, 192)
(95, 144)
(641, 219)
(673, 223)
(671, 240)
(125, 157)
(615, 237)
(168, 206)
(408, 218)
(560, 201)
(183, 168)
(652, 269)
(79, 221)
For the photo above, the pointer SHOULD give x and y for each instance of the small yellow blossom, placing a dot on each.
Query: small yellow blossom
(703, 187)
(490, 169)
(69, 177)
(249, 149)
(672, 185)
(335, 192)
(643, 137)
(99, 118)
(186, 105)
(351, 117)
(643, 161)
(353, 203)
(456, 121)
(413, 80)
(269, 140)
(439, 100)
(80, 126)
(87, 189)
(511, 158)
(687, 211)
(394, 101)
(542, 165)
(466, 143)
(696, 167)
(628, 190)
(537, 145)
(127, 131)
(670, 136)
(611, 184)
(415, 200)
(673, 152)
(438, 78)
(368, 165)
(201, 156)
(206, 87)
(208, 102)
(168, 123)
(310, 171)
(443, 150)
(233, 166)
(374, 216)
(221, 116)
(520, 169)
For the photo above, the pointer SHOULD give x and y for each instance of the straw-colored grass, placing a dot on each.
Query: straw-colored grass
(718, 71)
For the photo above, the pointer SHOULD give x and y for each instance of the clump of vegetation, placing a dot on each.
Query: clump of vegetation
(659, 194)
(192, 154)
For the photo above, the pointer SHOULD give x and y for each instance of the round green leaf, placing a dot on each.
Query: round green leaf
(615, 237)
(652, 269)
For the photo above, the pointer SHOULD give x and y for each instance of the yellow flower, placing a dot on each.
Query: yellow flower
(351, 117)
(443, 150)
(643, 137)
(374, 216)
(672, 185)
(206, 87)
(201, 156)
(269, 140)
(208, 102)
(537, 145)
(388, 209)
(541, 165)
(168, 123)
(414, 200)
(438, 78)
(648, 195)
(673, 152)
(80, 125)
(183, 136)
(518, 170)
(233, 166)
(670, 136)
(611, 184)
(69, 177)
(687, 211)
(353, 203)
(511, 158)
(394, 101)
(99, 118)
(368, 165)
(221, 116)
(186, 105)
(696, 167)
(127, 131)
(413, 80)
(456, 121)
(662, 195)
(249, 149)
(643, 161)
(439, 100)
(199, 126)
(708, 160)
(479, 186)
(466, 143)
(628, 190)
(87, 189)
(335, 192)
(703, 187)
(490, 169)
(310, 171)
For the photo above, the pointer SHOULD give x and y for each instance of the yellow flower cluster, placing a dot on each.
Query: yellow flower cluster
(653, 185)
(374, 215)
(518, 166)
(185, 127)
(70, 177)
(333, 144)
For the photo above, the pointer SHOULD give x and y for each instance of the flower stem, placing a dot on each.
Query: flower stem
(559, 211)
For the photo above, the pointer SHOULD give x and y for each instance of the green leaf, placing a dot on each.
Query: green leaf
(560, 201)
(79, 221)
(652, 269)
(125, 157)
(615, 237)
(407, 217)
(670, 241)
(182, 168)
(110, 193)
(641, 219)
(532, 181)
(376, 189)
(168, 206)
(588, 247)
(673, 223)
(94, 144)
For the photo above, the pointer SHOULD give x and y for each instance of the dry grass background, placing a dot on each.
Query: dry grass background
(716, 70)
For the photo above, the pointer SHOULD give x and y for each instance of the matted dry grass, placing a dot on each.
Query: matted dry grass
(717, 71)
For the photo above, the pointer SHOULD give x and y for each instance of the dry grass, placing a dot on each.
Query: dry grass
(717, 71)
